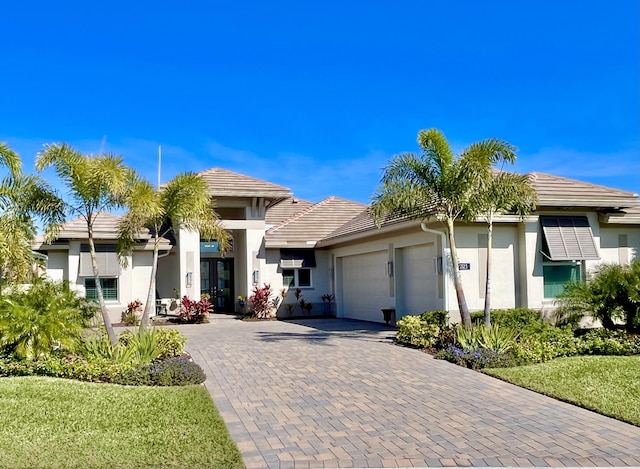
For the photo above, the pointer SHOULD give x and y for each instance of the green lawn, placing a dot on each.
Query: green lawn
(606, 384)
(56, 423)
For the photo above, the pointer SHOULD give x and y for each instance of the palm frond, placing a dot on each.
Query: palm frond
(10, 159)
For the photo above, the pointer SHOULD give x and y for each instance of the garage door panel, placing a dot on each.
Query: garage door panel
(365, 286)
(416, 279)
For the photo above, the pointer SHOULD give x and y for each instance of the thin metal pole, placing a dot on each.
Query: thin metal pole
(159, 163)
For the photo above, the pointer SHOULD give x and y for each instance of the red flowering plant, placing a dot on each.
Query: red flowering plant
(193, 311)
(262, 305)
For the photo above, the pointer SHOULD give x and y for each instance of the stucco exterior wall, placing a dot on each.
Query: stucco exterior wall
(472, 251)
(320, 281)
(58, 265)
(613, 249)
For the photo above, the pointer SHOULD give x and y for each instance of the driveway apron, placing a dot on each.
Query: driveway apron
(339, 393)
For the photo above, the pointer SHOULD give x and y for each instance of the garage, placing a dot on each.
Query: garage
(365, 285)
(416, 280)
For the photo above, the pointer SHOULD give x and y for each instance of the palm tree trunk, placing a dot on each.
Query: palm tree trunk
(487, 288)
(457, 281)
(96, 275)
(144, 321)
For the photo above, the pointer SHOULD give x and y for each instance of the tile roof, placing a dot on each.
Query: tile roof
(281, 211)
(105, 227)
(225, 183)
(364, 222)
(559, 191)
(553, 191)
(314, 223)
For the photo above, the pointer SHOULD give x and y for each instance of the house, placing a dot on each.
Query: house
(334, 247)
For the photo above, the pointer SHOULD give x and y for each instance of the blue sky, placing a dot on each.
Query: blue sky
(318, 96)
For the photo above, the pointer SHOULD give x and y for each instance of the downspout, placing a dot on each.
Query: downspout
(445, 263)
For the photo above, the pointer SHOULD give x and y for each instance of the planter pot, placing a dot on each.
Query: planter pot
(388, 314)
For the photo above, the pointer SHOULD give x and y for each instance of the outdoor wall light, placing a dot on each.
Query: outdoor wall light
(256, 277)
(189, 278)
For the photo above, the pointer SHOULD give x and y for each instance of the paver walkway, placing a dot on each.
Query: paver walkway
(338, 393)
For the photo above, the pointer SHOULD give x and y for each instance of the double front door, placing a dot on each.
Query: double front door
(216, 280)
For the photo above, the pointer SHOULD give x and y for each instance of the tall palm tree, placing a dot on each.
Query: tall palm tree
(501, 193)
(435, 183)
(183, 202)
(23, 197)
(95, 184)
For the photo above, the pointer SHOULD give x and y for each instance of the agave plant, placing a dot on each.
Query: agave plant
(499, 339)
(467, 337)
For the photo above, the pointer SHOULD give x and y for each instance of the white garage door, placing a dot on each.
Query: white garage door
(365, 286)
(416, 280)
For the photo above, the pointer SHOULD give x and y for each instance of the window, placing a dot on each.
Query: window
(109, 288)
(556, 276)
(296, 277)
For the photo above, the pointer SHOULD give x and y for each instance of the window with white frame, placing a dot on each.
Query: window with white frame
(296, 278)
(109, 287)
(557, 275)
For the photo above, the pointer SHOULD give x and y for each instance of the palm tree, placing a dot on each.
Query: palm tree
(183, 202)
(95, 184)
(611, 294)
(501, 193)
(23, 197)
(437, 184)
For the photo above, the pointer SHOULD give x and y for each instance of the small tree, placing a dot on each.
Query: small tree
(95, 184)
(185, 202)
(498, 194)
(437, 184)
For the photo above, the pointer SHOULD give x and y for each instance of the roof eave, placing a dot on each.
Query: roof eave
(366, 233)
(608, 202)
(275, 195)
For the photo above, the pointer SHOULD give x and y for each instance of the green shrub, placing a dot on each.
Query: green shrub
(514, 318)
(550, 342)
(46, 316)
(415, 331)
(608, 342)
(170, 341)
(438, 317)
(64, 366)
(175, 371)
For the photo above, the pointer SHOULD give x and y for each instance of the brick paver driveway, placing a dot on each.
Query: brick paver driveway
(338, 393)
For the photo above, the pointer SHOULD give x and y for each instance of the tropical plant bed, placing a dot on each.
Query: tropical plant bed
(49, 422)
(608, 385)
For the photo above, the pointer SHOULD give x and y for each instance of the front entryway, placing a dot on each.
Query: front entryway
(216, 280)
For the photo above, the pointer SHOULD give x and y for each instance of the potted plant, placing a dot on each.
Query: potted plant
(242, 301)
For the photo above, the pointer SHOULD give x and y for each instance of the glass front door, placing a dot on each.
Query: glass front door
(216, 280)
